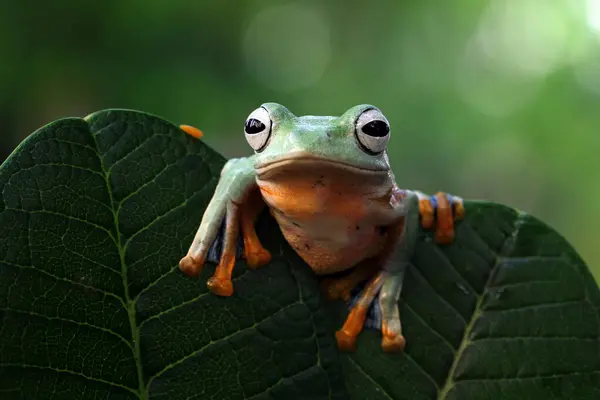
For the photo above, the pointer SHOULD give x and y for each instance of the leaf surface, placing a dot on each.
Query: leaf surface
(95, 214)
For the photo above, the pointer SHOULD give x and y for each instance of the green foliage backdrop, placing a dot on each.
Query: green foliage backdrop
(493, 100)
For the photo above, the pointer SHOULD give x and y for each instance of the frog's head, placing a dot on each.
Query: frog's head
(355, 141)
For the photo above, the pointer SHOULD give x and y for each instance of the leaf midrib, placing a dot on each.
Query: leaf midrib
(505, 249)
(129, 303)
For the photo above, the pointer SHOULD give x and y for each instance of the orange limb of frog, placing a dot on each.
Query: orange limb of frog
(340, 288)
(426, 210)
(256, 255)
(346, 337)
(220, 283)
(444, 230)
(192, 131)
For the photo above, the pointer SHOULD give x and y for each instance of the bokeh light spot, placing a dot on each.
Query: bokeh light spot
(516, 44)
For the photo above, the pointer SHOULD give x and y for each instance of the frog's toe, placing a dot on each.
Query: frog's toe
(459, 208)
(346, 337)
(220, 287)
(393, 343)
(427, 212)
(191, 266)
(345, 341)
(258, 258)
(192, 131)
(444, 231)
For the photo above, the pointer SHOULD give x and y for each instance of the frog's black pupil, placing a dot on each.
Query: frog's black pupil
(254, 126)
(376, 128)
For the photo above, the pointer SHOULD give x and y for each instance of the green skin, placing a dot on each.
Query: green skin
(329, 141)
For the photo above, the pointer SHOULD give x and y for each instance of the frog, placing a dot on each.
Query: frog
(328, 183)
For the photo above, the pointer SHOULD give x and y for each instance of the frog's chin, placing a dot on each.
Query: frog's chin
(304, 162)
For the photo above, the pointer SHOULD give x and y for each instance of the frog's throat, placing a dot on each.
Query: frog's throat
(299, 160)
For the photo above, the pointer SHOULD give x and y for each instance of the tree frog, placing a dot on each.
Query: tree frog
(327, 182)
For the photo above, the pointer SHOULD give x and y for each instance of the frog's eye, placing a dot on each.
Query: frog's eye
(258, 128)
(372, 131)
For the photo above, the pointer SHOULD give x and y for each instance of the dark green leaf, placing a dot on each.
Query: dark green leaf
(95, 214)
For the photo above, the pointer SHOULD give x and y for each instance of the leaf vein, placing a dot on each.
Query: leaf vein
(506, 248)
(422, 278)
(66, 371)
(72, 321)
(213, 342)
(369, 377)
(83, 285)
(435, 332)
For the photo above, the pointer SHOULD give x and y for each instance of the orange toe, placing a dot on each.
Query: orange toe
(190, 130)
(345, 342)
(444, 232)
(393, 343)
(459, 210)
(191, 266)
(426, 210)
(220, 287)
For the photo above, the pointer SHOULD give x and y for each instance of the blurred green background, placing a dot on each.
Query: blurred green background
(496, 100)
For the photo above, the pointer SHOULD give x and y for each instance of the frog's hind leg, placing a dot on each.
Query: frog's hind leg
(346, 337)
(256, 255)
(236, 181)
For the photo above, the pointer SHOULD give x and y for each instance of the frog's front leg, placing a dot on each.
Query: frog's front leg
(396, 265)
(236, 183)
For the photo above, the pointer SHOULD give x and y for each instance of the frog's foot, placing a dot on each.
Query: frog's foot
(220, 287)
(442, 209)
(391, 341)
(341, 288)
(256, 255)
(346, 337)
(190, 265)
(190, 130)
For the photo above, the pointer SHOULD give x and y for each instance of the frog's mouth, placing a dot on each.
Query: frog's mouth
(304, 162)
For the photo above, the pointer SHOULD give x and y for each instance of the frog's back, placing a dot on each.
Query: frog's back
(324, 214)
